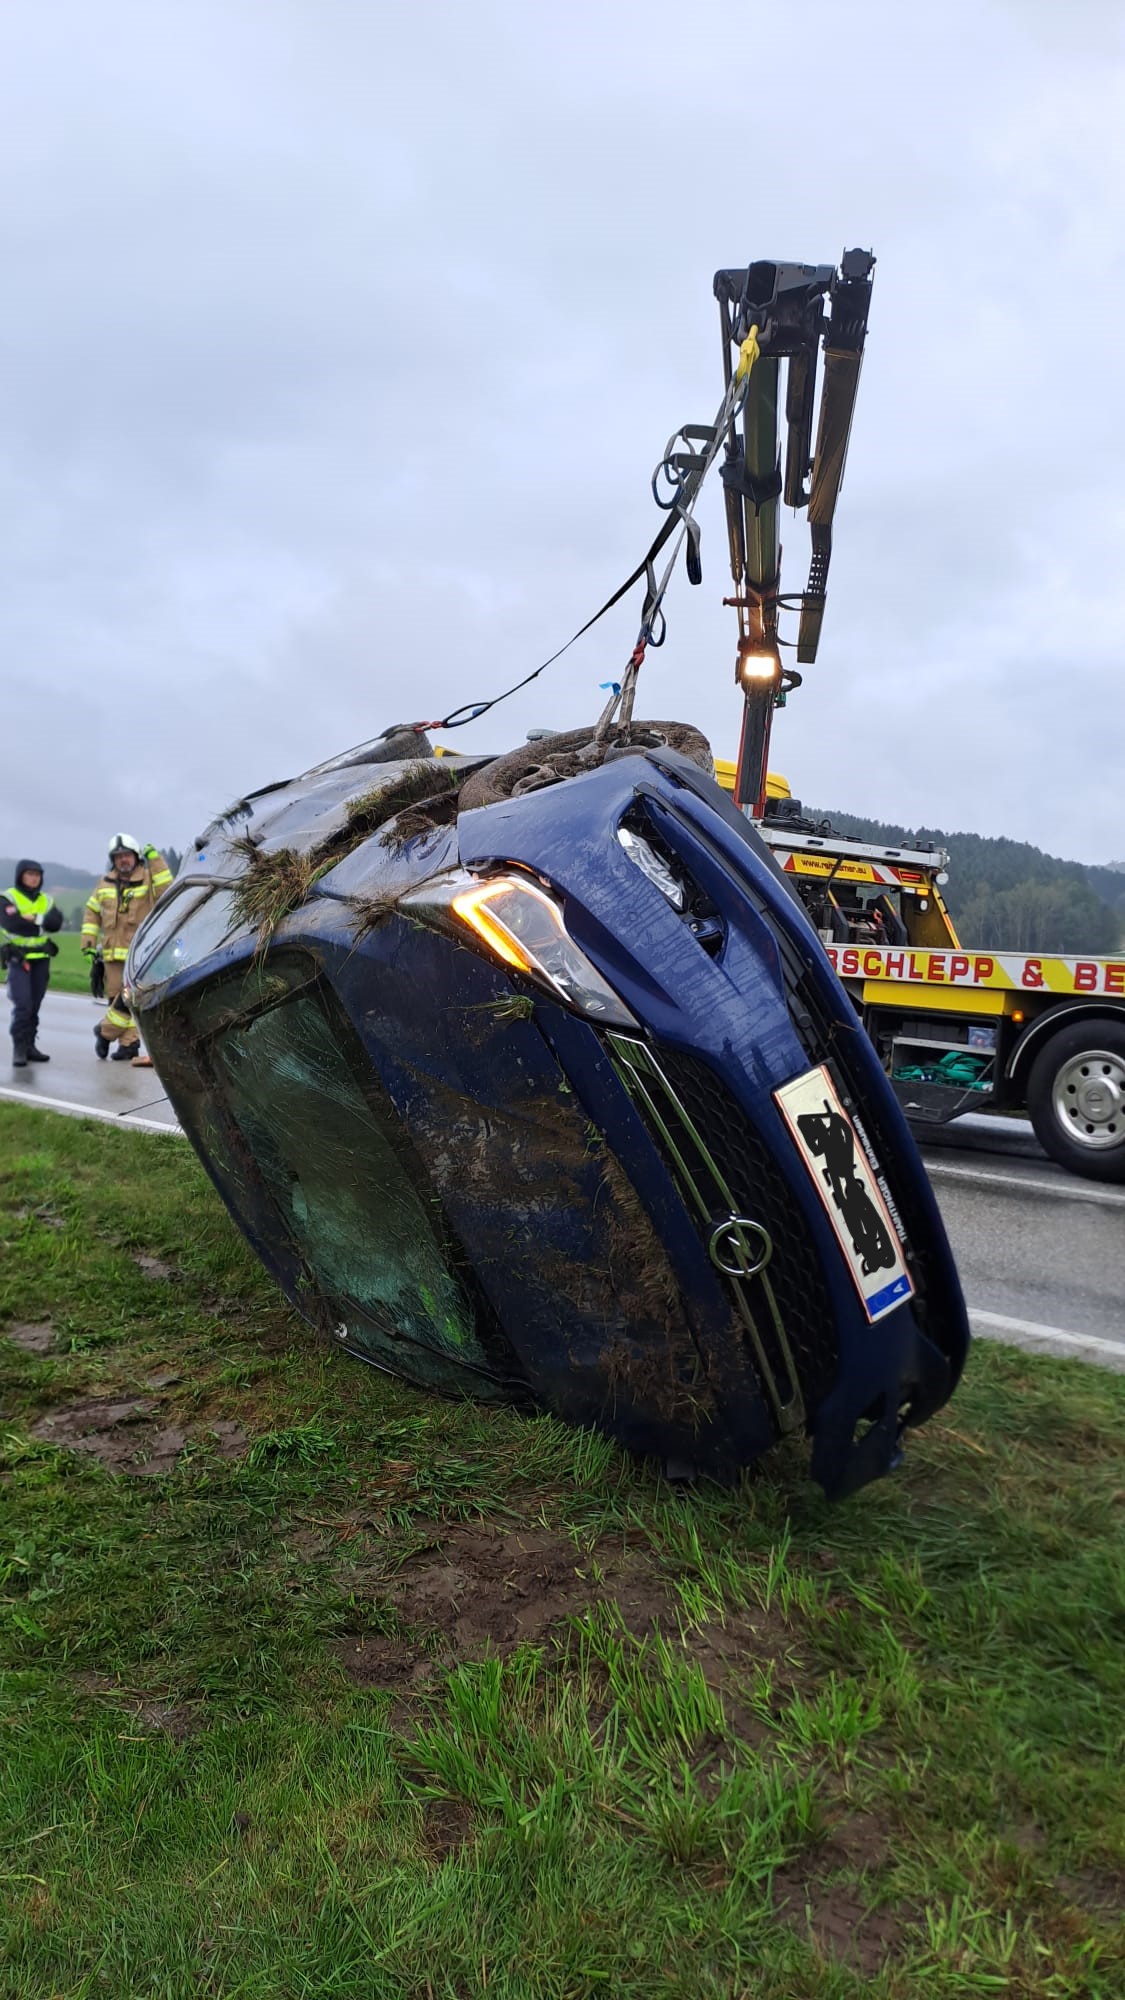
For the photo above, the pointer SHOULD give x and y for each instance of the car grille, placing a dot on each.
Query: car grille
(752, 1227)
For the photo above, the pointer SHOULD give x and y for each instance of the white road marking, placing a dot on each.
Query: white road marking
(122, 1119)
(1053, 1339)
(1024, 1333)
(1075, 1190)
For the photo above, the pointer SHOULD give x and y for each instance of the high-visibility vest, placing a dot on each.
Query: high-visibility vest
(33, 909)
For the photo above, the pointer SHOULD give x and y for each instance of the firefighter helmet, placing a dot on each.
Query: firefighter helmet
(123, 843)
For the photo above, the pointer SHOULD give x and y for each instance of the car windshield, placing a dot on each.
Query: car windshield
(183, 930)
(325, 1145)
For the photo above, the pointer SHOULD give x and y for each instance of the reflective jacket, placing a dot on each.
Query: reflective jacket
(24, 920)
(117, 909)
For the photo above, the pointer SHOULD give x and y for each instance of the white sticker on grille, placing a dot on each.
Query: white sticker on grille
(826, 1140)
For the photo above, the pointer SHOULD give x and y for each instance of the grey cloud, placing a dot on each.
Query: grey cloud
(344, 338)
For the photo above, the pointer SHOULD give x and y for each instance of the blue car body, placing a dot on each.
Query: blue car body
(690, 1215)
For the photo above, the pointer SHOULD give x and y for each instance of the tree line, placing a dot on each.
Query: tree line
(1008, 895)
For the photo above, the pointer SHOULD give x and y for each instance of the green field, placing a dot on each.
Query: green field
(317, 1686)
(70, 972)
(69, 900)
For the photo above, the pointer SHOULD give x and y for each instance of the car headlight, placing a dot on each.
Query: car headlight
(519, 924)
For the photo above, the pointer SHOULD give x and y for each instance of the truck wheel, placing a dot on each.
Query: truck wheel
(1076, 1099)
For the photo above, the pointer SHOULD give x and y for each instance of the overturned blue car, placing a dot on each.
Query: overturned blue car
(528, 1079)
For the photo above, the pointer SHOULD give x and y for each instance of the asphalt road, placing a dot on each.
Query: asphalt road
(1041, 1253)
(74, 1080)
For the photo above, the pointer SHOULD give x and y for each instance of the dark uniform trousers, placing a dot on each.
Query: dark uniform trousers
(27, 983)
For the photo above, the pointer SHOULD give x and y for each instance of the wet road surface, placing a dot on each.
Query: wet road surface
(1041, 1253)
(74, 1079)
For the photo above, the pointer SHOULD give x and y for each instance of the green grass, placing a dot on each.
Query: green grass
(70, 972)
(404, 1698)
(70, 900)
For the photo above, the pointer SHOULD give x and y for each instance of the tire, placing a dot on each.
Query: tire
(552, 758)
(1076, 1098)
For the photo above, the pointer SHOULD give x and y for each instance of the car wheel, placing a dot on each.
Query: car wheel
(1076, 1099)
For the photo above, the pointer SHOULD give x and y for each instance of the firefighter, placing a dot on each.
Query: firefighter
(27, 916)
(134, 882)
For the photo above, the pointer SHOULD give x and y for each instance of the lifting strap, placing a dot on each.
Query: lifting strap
(686, 472)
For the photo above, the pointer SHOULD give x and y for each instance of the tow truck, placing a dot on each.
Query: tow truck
(959, 1030)
(956, 1030)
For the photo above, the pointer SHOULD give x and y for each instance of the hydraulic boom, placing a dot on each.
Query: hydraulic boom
(770, 314)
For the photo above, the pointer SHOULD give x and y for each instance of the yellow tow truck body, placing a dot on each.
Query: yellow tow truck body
(959, 1030)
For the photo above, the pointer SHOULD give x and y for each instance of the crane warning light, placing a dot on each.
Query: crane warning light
(758, 664)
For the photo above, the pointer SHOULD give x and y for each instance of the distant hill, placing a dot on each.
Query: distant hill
(54, 875)
(1006, 894)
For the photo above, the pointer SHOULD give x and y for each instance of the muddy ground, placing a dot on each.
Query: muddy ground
(133, 1436)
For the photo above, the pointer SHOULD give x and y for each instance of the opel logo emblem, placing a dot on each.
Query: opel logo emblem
(739, 1248)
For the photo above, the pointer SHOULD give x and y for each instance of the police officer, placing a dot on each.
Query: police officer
(119, 903)
(28, 916)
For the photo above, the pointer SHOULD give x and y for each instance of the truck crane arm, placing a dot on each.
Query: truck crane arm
(793, 313)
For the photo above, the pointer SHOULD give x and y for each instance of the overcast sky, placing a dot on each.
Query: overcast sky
(340, 339)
